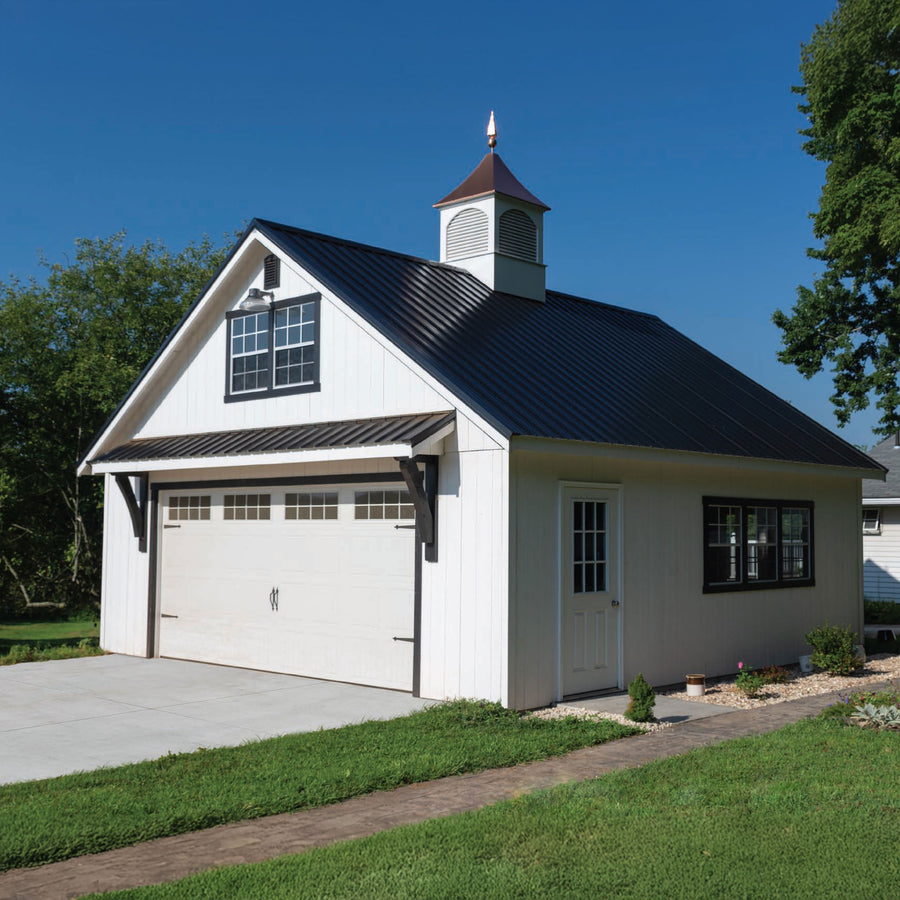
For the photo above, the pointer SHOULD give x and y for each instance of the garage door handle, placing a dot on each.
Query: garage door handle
(171, 526)
(407, 640)
(167, 616)
(404, 526)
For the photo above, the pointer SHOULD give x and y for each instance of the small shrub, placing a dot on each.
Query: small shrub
(872, 716)
(834, 649)
(750, 683)
(643, 699)
(773, 674)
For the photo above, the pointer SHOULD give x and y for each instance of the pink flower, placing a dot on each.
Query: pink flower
(741, 666)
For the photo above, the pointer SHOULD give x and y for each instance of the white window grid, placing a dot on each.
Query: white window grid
(250, 352)
(295, 349)
(588, 546)
(239, 507)
(193, 507)
(309, 506)
(389, 504)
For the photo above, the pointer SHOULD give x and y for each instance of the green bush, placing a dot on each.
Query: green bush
(643, 699)
(881, 612)
(749, 682)
(773, 674)
(834, 649)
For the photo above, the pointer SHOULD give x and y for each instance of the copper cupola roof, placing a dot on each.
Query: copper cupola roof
(491, 177)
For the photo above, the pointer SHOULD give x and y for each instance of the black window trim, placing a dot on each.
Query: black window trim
(780, 583)
(272, 391)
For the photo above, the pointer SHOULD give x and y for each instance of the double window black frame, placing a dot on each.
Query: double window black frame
(744, 583)
(272, 390)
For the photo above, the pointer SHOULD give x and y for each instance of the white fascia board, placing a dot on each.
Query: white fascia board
(433, 445)
(453, 401)
(881, 501)
(171, 348)
(255, 460)
(686, 457)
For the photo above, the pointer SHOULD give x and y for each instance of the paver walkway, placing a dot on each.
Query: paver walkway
(171, 858)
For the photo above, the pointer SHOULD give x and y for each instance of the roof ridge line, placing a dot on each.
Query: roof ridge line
(359, 245)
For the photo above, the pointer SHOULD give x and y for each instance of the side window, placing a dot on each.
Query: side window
(751, 544)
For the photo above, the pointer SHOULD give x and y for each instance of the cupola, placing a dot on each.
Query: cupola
(493, 226)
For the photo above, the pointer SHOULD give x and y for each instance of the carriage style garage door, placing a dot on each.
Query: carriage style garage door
(309, 581)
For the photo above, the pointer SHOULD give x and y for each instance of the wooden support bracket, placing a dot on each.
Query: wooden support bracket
(137, 506)
(423, 490)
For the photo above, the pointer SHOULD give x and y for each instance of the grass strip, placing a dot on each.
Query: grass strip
(89, 812)
(808, 811)
(54, 633)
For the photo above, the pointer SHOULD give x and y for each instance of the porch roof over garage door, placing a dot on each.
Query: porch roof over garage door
(348, 439)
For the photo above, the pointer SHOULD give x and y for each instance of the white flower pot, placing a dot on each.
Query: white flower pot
(696, 685)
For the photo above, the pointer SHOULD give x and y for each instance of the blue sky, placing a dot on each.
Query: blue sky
(663, 135)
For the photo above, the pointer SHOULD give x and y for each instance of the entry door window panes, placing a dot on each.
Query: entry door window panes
(589, 546)
(762, 543)
(723, 544)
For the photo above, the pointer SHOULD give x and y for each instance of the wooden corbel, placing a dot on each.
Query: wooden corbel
(137, 506)
(423, 491)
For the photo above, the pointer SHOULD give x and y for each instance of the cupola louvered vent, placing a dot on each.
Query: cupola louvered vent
(272, 272)
(467, 234)
(518, 235)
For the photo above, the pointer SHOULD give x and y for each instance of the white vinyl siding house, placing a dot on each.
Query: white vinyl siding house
(881, 526)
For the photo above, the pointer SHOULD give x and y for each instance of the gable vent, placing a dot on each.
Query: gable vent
(467, 234)
(518, 235)
(272, 272)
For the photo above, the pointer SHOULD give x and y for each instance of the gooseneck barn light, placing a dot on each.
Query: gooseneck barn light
(257, 300)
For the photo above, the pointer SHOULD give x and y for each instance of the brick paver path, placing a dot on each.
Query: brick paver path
(168, 859)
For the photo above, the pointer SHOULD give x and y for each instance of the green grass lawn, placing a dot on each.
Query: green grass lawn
(50, 634)
(73, 815)
(812, 810)
(38, 641)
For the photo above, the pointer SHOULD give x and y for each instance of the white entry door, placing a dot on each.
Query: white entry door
(308, 581)
(590, 590)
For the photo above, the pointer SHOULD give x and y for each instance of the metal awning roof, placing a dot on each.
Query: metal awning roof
(412, 430)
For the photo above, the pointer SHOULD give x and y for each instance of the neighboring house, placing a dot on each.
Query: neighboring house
(881, 526)
(441, 477)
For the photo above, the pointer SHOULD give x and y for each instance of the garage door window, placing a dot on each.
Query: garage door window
(183, 509)
(247, 506)
(384, 505)
(311, 506)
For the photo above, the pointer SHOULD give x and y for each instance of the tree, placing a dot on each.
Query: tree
(71, 347)
(850, 317)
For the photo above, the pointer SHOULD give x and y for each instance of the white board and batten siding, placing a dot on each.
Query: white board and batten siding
(464, 594)
(124, 587)
(881, 557)
(669, 626)
(361, 376)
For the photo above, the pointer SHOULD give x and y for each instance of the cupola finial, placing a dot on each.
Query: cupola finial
(492, 133)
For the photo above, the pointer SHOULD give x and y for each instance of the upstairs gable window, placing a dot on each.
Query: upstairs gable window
(275, 351)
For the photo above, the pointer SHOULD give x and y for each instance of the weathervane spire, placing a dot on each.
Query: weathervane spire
(492, 133)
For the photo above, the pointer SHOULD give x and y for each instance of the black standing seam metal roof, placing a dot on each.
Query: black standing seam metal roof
(322, 435)
(567, 368)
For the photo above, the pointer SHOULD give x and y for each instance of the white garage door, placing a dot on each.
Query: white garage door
(310, 581)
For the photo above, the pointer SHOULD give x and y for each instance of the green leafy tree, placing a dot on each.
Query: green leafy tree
(850, 317)
(72, 344)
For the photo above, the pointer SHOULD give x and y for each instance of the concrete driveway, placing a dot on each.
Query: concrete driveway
(78, 714)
